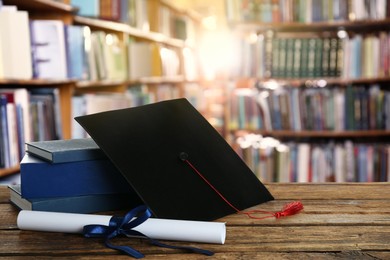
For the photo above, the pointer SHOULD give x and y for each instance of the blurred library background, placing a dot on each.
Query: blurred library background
(299, 89)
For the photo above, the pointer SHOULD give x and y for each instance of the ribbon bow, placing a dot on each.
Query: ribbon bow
(124, 226)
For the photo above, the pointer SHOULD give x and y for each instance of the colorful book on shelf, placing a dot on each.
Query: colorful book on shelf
(90, 59)
(170, 63)
(139, 59)
(20, 97)
(97, 42)
(51, 118)
(89, 8)
(110, 9)
(75, 52)
(12, 132)
(40, 179)
(109, 59)
(44, 117)
(127, 12)
(4, 141)
(49, 52)
(15, 49)
(60, 151)
(78, 204)
(180, 28)
(115, 58)
(142, 15)
(78, 109)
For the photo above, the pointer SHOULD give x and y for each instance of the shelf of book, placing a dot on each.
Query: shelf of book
(65, 92)
(287, 134)
(305, 11)
(360, 25)
(312, 75)
(314, 161)
(103, 73)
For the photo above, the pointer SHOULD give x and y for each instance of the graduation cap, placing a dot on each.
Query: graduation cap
(178, 164)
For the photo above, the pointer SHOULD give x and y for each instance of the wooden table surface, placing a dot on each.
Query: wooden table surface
(349, 221)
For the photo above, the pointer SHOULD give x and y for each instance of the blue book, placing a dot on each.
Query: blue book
(124, 11)
(75, 54)
(70, 150)
(89, 8)
(78, 204)
(4, 151)
(41, 179)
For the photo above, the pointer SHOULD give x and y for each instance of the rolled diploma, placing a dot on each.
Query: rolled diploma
(165, 229)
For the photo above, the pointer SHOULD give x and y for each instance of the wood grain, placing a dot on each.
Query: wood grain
(338, 221)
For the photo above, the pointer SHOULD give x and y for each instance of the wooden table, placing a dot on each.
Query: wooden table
(339, 220)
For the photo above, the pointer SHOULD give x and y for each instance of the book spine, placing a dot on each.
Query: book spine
(6, 161)
(308, 162)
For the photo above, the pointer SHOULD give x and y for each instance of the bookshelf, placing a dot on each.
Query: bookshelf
(171, 31)
(322, 102)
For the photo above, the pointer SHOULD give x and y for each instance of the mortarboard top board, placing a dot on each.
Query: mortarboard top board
(146, 144)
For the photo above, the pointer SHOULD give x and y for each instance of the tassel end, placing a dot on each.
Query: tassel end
(290, 209)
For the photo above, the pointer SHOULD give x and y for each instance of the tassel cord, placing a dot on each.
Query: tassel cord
(288, 210)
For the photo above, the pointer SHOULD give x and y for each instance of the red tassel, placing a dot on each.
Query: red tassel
(289, 209)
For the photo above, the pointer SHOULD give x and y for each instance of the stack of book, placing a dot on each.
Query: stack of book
(71, 176)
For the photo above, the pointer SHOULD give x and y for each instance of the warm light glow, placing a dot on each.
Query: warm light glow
(216, 53)
(245, 91)
(109, 39)
(282, 148)
(249, 140)
(164, 52)
(342, 34)
(87, 37)
(259, 142)
(321, 83)
(210, 22)
(271, 84)
(269, 142)
(252, 38)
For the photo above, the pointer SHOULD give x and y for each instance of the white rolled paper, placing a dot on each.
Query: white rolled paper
(165, 229)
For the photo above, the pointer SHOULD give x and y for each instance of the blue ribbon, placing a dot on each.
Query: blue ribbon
(124, 226)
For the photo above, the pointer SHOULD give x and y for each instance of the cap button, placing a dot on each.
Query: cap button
(183, 156)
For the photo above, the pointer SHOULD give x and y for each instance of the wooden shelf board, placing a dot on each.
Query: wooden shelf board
(329, 81)
(100, 83)
(41, 5)
(37, 82)
(312, 27)
(318, 134)
(124, 28)
(185, 12)
(9, 171)
(145, 80)
(161, 80)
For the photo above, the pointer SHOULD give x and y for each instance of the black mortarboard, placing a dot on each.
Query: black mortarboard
(149, 145)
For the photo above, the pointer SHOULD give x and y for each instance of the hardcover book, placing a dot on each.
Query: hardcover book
(60, 151)
(40, 179)
(78, 204)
